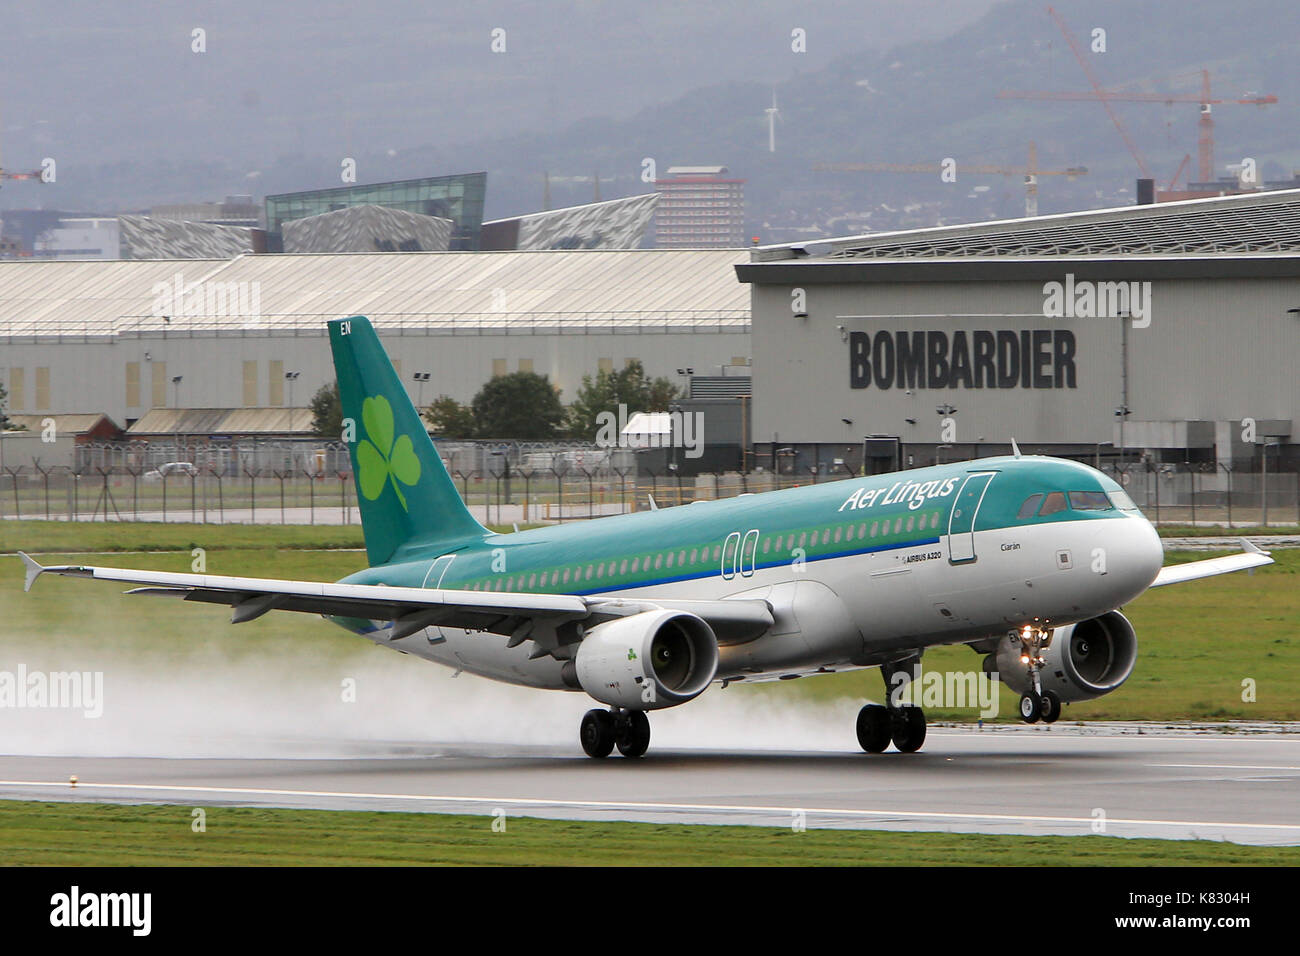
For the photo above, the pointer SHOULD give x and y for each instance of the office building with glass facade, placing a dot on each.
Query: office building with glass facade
(458, 198)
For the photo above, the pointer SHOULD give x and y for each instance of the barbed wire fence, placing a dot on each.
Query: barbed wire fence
(308, 481)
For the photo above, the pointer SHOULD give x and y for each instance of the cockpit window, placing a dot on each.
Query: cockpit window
(1089, 501)
(1029, 507)
(1055, 502)
(1122, 501)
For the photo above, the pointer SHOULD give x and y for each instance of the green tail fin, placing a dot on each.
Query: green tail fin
(403, 489)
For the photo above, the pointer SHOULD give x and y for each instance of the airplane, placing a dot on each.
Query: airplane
(1025, 559)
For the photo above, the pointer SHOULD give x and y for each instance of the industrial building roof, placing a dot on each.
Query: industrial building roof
(67, 423)
(584, 291)
(1262, 222)
(222, 421)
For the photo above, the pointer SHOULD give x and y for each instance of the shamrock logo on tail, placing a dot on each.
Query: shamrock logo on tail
(379, 457)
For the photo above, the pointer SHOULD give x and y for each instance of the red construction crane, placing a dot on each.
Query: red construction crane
(1206, 101)
(4, 174)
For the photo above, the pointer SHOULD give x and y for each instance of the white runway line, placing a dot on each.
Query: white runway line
(1014, 732)
(1220, 766)
(665, 807)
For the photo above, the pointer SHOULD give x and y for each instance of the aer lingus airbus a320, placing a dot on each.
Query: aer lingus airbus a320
(1024, 559)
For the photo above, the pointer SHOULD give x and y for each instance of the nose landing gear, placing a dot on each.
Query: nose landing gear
(1045, 707)
(1038, 704)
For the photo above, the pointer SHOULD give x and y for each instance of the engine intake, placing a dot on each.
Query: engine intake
(1083, 661)
(647, 661)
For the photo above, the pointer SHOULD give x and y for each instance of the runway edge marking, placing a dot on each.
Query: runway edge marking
(620, 805)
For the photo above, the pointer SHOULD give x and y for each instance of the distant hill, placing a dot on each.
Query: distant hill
(686, 84)
(283, 92)
(929, 100)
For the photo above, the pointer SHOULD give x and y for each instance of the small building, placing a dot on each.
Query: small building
(32, 443)
(222, 423)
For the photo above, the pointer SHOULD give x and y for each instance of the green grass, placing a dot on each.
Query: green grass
(1196, 531)
(96, 834)
(156, 631)
(45, 537)
(65, 536)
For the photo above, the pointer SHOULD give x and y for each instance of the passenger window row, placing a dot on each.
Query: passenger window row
(707, 557)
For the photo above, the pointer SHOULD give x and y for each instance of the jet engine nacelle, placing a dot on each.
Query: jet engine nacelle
(647, 661)
(1083, 661)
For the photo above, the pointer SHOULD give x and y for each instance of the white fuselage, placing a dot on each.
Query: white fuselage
(866, 609)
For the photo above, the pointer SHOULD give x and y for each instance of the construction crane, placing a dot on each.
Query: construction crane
(5, 174)
(1206, 102)
(1029, 171)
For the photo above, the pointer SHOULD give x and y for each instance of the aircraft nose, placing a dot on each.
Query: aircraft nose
(1149, 551)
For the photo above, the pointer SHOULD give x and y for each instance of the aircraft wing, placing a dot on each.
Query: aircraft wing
(1250, 557)
(412, 609)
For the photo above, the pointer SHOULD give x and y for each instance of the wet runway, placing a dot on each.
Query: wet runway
(1123, 780)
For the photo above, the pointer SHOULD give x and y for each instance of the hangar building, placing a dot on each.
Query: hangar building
(1168, 331)
(124, 337)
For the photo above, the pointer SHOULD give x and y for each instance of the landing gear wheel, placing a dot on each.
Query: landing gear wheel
(1031, 708)
(597, 733)
(874, 729)
(633, 734)
(1050, 709)
(908, 728)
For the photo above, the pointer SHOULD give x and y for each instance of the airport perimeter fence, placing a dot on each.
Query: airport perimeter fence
(307, 482)
(1211, 494)
(505, 483)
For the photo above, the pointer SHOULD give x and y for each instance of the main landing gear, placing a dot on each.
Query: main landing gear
(603, 730)
(903, 724)
(1038, 704)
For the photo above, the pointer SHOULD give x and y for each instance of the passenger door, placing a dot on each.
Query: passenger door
(961, 522)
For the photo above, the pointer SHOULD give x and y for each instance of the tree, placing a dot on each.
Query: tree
(628, 387)
(522, 405)
(5, 423)
(450, 419)
(327, 412)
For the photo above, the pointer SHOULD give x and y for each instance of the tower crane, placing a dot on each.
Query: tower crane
(1206, 100)
(1030, 172)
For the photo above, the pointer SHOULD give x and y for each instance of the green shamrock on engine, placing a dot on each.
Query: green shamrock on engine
(379, 457)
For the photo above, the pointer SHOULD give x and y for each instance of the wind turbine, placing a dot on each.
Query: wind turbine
(772, 114)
